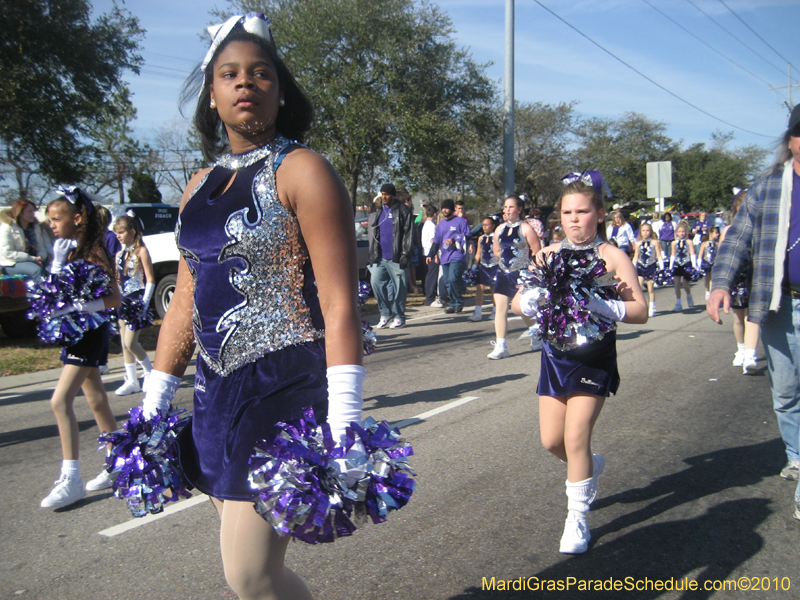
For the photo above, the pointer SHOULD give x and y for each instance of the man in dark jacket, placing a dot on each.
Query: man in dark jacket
(391, 235)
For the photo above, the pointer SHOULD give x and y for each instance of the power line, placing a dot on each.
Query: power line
(702, 41)
(734, 37)
(786, 60)
(673, 94)
(189, 60)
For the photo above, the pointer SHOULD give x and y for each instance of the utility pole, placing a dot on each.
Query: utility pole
(790, 85)
(508, 105)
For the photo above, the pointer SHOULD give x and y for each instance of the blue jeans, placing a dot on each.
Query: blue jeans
(455, 284)
(780, 334)
(382, 273)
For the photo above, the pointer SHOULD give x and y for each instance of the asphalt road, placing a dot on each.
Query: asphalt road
(690, 493)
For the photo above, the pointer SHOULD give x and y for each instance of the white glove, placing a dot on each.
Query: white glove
(92, 306)
(161, 388)
(148, 293)
(527, 301)
(671, 261)
(345, 383)
(660, 264)
(613, 310)
(61, 249)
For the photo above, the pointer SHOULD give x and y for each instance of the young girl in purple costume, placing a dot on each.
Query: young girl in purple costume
(682, 258)
(647, 257)
(514, 243)
(73, 218)
(267, 289)
(708, 253)
(136, 279)
(486, 262)
(574, 384)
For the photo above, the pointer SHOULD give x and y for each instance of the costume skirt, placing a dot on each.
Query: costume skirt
(232, 413)
(590, 369)
(506, 283)
(706, 266)
(740, 295)
(91, 350)
(648, 272)
(682, 270)
(487, 275)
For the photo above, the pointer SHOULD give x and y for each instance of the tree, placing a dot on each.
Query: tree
(390, 89)
(620, 149)
(144, 189)
(177, 156)
(58, 70)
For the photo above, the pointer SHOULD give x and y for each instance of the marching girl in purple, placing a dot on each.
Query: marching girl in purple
(266, 290)
(647, 257)
(136, 280)
(707, 253)
(486, 262)
(574, 384)
(514, 243)
(681, 260)
(79, 236)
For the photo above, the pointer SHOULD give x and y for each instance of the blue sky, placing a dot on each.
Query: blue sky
(555, 63)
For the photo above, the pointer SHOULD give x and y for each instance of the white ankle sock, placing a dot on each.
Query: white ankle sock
(130, 372)
(750, 354)
(580, 495)
(478, 310)
(741, 348)
(70, 467)
(500, 343)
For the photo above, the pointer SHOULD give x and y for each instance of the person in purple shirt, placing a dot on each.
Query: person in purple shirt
(452, 237)
(391, 237)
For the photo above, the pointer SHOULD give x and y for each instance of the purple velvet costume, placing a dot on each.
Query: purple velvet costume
(257, 320)
(683, 261)
(487, 269)
(514, 256)
(647, 264)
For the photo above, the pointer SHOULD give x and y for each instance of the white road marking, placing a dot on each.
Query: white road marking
(435, 411)
(138, 522)
(198, 498)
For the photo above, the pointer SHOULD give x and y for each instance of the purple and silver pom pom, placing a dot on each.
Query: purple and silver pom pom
(364, 290)
(664, 277)
(370, 338)
(302, 492)
(134, 313)
(695, 274)
(565, 284)
(470, 277)
(78, 281)
(143, 465)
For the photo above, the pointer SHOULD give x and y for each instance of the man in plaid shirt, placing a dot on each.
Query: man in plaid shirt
(766, 232)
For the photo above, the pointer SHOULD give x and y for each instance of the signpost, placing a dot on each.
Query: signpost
(659, 182)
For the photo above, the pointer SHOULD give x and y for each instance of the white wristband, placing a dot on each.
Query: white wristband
(344, 397)
(148, 292)
(161, 389)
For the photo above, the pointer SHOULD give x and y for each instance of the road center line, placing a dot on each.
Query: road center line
(198, 498)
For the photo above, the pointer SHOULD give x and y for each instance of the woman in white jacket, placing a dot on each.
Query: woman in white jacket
(621, 232)
(24, 247)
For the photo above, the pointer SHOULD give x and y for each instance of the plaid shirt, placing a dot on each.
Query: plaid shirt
(752, 237)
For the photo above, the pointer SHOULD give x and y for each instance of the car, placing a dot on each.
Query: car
(362, 247)
(159, 236)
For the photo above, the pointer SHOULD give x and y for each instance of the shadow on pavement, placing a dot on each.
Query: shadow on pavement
(46, 431)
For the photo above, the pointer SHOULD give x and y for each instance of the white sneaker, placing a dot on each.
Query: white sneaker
(536, 344)
(689, 301)
(104, 370)
(498, 352)
(68, 489)
(382, 323)
(396, 323)
(129, 387)
(749, 365)
(437, 304)
(575, 539)
(652, 311)
(475, 317)
(738, 358)
(678, 307)
(101, 482)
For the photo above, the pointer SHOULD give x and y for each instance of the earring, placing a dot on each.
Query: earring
(213, 104)
(282, 102)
